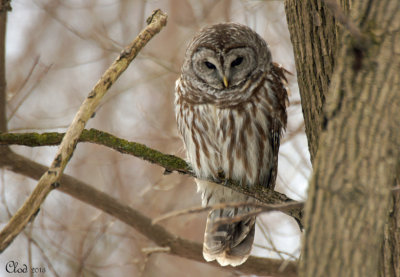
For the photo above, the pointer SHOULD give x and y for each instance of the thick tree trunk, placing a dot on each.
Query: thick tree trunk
(314, 36)
(356, 135)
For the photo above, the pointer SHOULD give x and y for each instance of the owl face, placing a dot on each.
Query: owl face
(224, 70)
(221, 58)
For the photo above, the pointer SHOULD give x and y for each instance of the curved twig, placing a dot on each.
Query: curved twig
(260, 209)
(50, 178)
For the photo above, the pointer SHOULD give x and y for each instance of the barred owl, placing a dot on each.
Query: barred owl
(230, 105)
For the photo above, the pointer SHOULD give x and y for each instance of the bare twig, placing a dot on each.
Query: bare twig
(156, 233)
(272, 249)
(3, 85)
(40, 76)
(148, 251)
(260, 207)
(237, 218)
(151, 250)
(50, 178)
(267, 236)
(44, 257)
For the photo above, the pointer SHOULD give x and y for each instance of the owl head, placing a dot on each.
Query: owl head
(225, 57)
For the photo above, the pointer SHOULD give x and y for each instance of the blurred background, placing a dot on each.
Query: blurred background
(56, 52)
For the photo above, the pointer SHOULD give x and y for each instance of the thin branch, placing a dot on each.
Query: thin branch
(260, 209)
(44, 70)
(272, 249)
(44, 257)
(156, 233)
(267, 235)
(152, 250)
(50, 178)
(3, 86)
(169, 162)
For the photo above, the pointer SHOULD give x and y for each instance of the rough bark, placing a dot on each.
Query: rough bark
(314, 35)
(358, 148)
(309, 34)
(390, 260)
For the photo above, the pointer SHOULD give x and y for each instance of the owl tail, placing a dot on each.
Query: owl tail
(229, 243)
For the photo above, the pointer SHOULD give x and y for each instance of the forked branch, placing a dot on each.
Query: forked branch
(51, 177)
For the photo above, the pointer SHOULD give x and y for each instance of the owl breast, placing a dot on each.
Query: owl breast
(230, 108)
(231, 140)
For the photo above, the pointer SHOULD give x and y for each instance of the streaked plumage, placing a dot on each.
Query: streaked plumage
(231, 110)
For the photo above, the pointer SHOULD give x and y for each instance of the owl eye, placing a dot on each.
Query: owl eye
(237, 61)
(209, 65)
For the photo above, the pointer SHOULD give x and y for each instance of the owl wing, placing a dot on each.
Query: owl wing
(279, 121)
(274, 140)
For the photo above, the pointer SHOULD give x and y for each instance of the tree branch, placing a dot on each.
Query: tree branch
(169, 162)
(178, 246)
(260, 208)
(3, 84)
(50, 178)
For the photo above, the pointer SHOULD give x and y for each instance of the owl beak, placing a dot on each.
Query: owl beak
(225, 81)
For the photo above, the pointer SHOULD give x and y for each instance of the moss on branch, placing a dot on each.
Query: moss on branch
(169, 162)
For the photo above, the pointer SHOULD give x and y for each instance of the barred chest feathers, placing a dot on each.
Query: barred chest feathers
(232, 140)
(230, 109)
